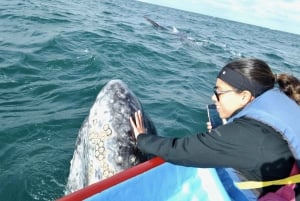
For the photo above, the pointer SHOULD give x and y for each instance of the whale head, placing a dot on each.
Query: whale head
(106, 144)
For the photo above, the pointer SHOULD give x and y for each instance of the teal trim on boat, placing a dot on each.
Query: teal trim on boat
(168, 183)
(156, 180)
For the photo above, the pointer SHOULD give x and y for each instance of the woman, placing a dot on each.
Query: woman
(252, 141)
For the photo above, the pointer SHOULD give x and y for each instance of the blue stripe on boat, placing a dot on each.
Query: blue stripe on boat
(168, 182)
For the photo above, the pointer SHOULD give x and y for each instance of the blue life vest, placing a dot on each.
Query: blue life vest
(280, 112)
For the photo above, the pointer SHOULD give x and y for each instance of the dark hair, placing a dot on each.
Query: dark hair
(258, 71)
(290, 85)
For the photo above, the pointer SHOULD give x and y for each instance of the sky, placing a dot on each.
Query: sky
(283, 15)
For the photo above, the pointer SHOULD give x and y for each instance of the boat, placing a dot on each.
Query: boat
(157, 180)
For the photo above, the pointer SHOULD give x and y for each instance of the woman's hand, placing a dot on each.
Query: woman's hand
(208, 126)
(137, 125)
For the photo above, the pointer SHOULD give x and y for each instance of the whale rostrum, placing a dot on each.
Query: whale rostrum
(106, 144)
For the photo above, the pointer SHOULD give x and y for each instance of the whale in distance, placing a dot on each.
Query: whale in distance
(105, 144)
(155, 24)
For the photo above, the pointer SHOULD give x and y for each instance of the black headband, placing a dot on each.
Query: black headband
(240, 82)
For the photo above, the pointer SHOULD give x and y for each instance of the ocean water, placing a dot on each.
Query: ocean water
(55, 56)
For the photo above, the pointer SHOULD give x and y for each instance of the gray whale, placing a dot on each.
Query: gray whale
(105, 144)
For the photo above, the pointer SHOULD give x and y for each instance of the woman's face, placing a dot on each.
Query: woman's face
(228, 100)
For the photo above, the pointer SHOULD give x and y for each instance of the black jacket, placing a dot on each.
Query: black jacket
(249, 146)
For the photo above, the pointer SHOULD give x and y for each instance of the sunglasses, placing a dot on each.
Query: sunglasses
(218, 92)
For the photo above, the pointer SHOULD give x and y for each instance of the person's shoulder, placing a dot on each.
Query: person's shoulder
(255, 128)
(245, 126)
(248, 122)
